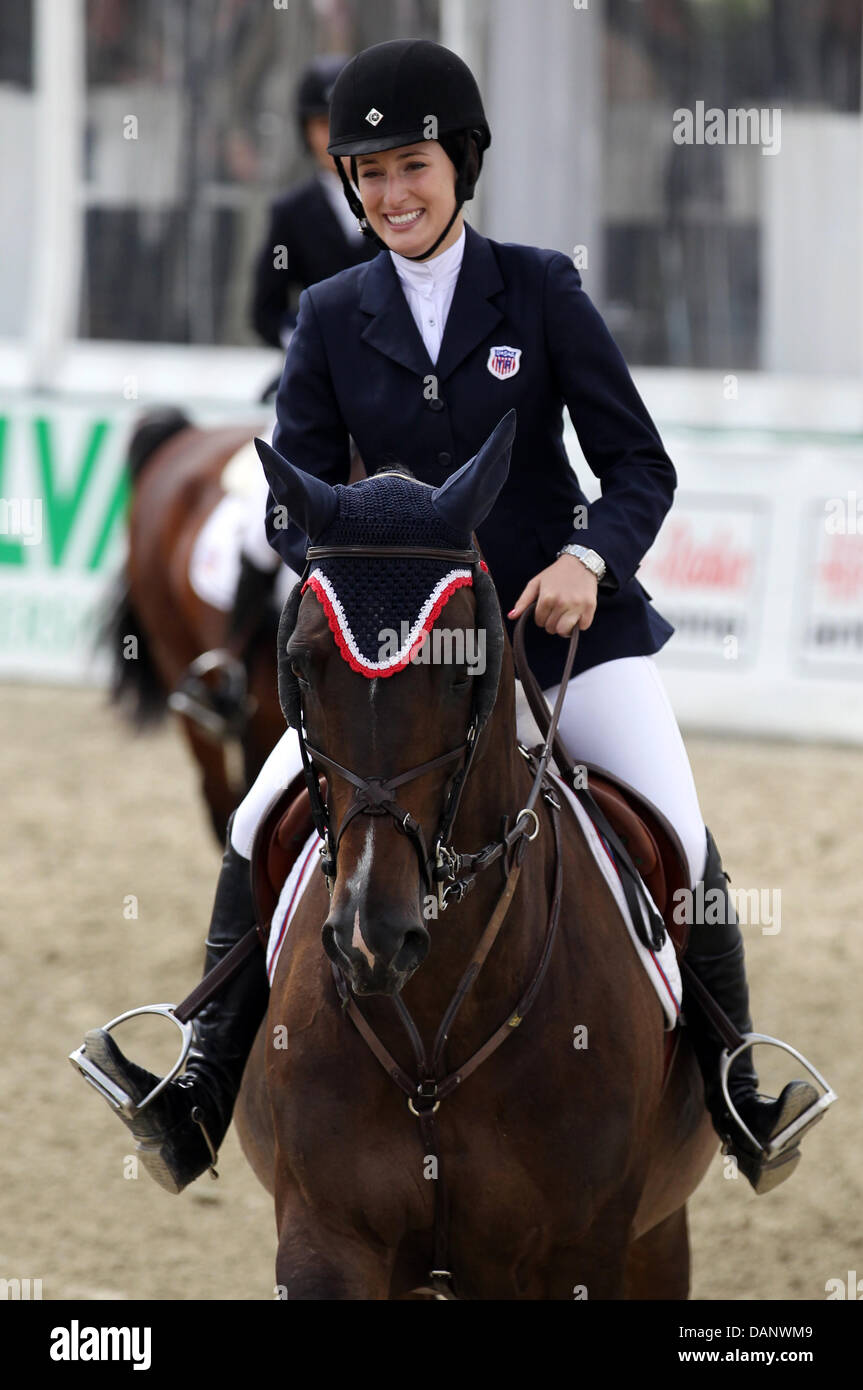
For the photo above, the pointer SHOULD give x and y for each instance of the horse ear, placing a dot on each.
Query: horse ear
(466, 498)
(309, 501)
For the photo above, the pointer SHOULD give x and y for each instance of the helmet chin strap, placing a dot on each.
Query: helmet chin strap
(367, 230)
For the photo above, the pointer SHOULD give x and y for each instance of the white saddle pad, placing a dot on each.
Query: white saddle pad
(214, 565)
(241, 473)
(305, 865)
(661, 966)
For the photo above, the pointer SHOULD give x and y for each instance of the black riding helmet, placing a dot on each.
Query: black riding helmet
(396, 93)
(315, 88)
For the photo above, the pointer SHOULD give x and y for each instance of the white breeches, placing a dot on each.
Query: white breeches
(616, 715)
(619, 716)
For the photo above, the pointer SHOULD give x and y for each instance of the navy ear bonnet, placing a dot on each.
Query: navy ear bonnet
(381, 609)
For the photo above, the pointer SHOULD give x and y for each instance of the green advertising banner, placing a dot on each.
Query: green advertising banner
(64, 497)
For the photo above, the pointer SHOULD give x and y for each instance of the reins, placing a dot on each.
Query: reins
(640, 905)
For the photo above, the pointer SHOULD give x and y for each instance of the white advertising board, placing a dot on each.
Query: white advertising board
(759, 564)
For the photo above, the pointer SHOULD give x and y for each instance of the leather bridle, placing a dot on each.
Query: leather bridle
(445, 873)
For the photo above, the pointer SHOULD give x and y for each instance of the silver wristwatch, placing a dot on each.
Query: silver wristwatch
(594, 562)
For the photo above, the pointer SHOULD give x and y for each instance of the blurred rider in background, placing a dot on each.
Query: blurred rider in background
(312, 234)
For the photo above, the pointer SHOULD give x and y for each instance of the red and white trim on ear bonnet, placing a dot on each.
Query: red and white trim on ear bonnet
(416, 636)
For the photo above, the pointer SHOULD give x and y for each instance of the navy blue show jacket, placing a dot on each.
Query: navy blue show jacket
(357, 366)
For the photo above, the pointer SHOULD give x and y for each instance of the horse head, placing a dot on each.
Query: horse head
(389, 667)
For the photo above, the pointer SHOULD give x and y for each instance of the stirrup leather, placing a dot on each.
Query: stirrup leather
(117, 1098)
(808, 1117)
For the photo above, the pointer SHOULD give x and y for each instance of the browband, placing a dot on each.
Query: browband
(464, 557)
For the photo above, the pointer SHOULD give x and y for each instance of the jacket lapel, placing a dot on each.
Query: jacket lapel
(471, 318)
(391, 329)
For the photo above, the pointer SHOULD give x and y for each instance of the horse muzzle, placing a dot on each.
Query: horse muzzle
(378, 957)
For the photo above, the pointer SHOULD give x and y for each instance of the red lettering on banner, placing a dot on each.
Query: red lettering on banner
(842, 571)
(687, 563)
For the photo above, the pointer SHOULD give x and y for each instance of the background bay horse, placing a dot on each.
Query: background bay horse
(568, 1169)
(175, 473)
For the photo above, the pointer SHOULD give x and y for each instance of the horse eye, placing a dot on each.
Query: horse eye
(299, 668)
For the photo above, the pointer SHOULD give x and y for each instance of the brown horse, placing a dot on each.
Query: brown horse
(176, 470)
(567, 1167)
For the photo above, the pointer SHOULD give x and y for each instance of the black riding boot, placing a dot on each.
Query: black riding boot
(212, 692)
(715, 953)
(180, 1133)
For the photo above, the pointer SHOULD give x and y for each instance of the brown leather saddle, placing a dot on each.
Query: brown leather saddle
(650, 840)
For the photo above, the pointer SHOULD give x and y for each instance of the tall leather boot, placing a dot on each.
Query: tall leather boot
(716, 955)
(178, 1135)
(212, 691)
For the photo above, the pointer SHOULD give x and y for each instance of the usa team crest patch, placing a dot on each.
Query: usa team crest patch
(504, 362)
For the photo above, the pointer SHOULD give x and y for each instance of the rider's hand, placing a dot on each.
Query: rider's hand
(566, 595)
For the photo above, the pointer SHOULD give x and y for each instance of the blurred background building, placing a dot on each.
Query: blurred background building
(142, 142)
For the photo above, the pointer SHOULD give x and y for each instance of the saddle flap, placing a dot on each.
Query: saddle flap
(651, 842)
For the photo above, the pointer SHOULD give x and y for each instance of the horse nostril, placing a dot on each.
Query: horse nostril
(413, 950)
(331, 945)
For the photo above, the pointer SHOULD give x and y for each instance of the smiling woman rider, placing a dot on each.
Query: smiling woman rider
(418, 354)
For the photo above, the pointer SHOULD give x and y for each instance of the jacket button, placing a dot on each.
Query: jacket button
(435, 403)
(445, 460)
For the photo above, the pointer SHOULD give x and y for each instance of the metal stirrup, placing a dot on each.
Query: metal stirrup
(191, 696)
(808, 1117)
(116, 1097)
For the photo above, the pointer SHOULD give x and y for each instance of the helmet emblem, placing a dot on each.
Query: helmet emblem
(374, 116)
